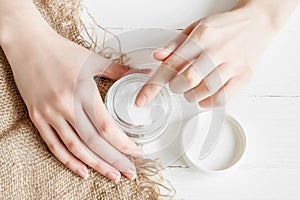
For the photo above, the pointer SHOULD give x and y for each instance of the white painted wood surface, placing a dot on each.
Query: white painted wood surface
(269, 107)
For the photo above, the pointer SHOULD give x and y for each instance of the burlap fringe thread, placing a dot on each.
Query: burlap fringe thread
(64, 16)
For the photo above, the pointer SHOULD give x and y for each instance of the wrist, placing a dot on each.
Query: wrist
(24, 35)
(24, 23)
(273, 12)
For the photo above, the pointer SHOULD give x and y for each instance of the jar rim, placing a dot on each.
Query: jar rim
(146, 131)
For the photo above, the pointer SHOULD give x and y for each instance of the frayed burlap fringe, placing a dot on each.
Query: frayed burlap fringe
(28, 169)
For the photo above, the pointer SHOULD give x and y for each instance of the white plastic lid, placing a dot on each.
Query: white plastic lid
(221, 136)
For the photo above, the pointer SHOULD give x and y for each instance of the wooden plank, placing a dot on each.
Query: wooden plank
(278, 73)
(245, 184)
(170, 14)
(271, 168)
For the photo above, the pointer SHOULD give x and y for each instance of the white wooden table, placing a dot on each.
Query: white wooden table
(269, 107)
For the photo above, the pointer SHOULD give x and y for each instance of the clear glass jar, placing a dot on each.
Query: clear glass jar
(141, 124)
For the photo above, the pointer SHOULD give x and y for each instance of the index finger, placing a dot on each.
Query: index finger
(174, 64)
(164, 53)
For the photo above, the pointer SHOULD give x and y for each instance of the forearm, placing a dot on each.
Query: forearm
(275, 11)
(19, 18)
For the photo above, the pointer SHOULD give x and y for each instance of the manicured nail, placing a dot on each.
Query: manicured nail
(141, 101)
(165, 51)
(138, 150)
(190, 97)
(83, 173)
(146, 71)
(155, 51)
(136, 153)
(114, 176)
(131, 175)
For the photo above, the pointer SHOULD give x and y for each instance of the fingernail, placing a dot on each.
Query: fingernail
(137, 152)
(190, 97)
(141, 101)
(114, 176)
(162, 50)
(83, 173)
(155, 51)
(131, 175)
(147, 70)
(139, 149)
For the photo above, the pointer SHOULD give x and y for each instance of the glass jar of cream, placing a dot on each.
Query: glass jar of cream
(144, 124)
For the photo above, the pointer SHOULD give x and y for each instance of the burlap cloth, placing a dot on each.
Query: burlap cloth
(28, 170)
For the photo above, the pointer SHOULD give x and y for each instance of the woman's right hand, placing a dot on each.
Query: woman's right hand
(55, 79)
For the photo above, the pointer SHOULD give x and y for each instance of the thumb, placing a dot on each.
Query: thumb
(163, 53)
(98, 65)
(115, 70)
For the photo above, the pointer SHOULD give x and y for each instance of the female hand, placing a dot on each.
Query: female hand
(216, 56)
(55, 79)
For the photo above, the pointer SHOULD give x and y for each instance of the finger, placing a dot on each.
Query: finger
(101, 119)
(211, 84)
(60, 151)
(89, 135)
(73, 143)
(174, 64)
(229, 91)
(193, 74)
(162, 54)
(147, 71)
(104, 67)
